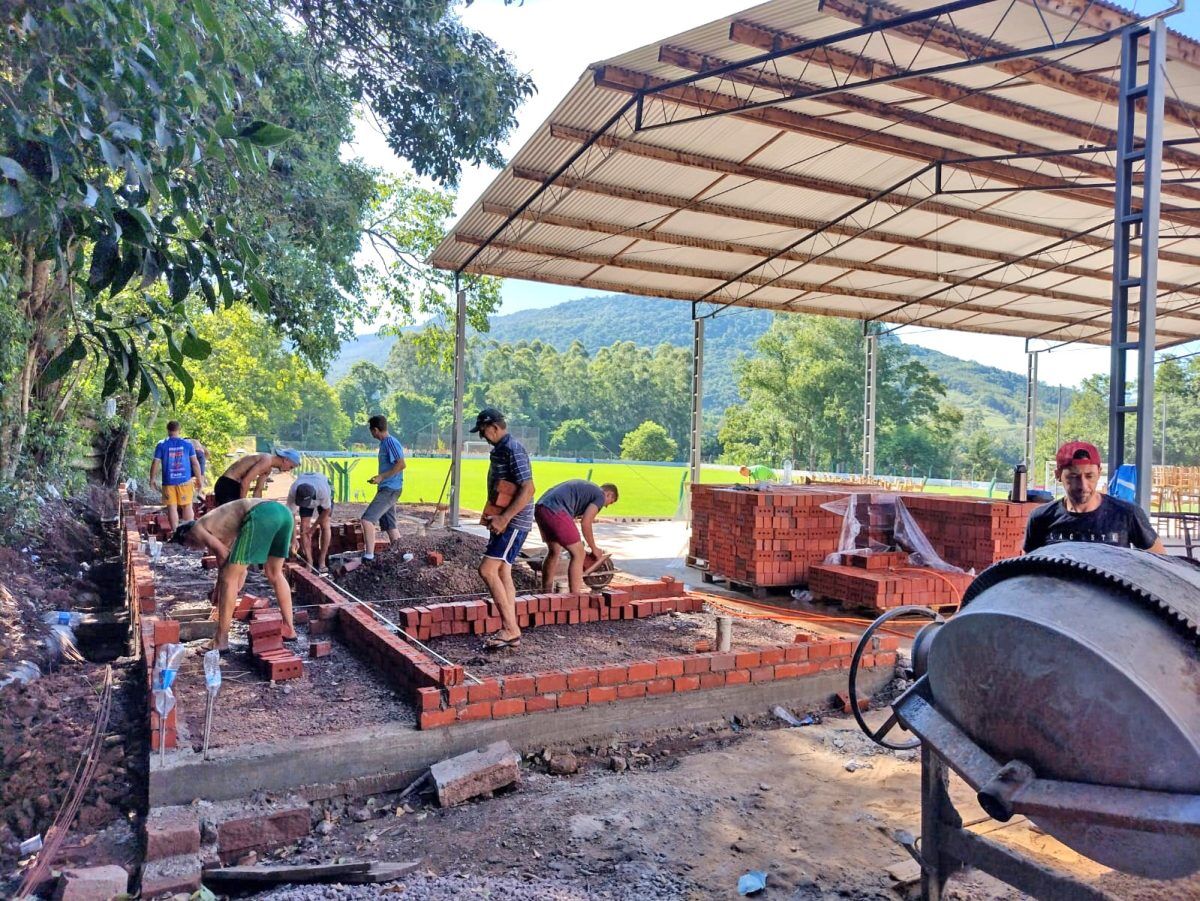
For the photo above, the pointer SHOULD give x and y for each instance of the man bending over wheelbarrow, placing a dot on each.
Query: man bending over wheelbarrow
(555, 514)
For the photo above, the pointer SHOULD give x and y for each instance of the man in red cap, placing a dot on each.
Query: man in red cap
(1084, 513)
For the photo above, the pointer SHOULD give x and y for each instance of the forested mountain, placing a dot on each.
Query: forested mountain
(996, 396)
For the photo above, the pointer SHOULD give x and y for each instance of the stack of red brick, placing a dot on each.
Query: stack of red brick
(880, 581)
(763, 536)
(971, 533)
(266, 646)
(536, 692)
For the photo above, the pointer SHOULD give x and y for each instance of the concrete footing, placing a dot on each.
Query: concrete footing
(385, 758)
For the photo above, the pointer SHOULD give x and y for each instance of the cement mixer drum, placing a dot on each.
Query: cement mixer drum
(1081, 661)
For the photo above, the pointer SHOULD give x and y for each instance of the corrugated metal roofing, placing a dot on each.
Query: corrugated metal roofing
(694, 210)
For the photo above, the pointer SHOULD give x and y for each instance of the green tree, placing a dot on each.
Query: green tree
(649, 441)
(413, 419)
(574, 438)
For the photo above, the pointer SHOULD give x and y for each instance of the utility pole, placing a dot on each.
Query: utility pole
(1163, 459)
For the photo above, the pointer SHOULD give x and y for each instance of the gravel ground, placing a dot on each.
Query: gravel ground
(431, 887)
(613, 641)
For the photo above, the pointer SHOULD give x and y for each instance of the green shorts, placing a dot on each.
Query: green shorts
(266, 532)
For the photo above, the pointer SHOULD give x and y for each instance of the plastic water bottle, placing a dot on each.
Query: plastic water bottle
(787, 472)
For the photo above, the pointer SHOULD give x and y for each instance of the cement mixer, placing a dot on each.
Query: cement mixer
(1067, 690)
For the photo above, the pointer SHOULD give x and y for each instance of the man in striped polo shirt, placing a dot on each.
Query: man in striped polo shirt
(510, 527)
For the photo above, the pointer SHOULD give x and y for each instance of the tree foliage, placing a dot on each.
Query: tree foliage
(574, 438)
(649, 441)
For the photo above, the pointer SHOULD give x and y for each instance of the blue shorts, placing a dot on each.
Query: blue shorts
(507, 545)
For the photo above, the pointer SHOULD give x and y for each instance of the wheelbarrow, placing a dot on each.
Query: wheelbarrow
(597, 573)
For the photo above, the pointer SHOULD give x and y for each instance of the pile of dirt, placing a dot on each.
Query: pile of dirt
(612, 641)
(389, 576)
(44, 728)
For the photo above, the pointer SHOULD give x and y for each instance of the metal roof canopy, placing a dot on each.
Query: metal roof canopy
(943, 164)
(954, 165)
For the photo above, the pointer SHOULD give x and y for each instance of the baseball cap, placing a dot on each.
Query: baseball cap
(306, 492)
(1076, 452)
(487, 416)
(288, 454)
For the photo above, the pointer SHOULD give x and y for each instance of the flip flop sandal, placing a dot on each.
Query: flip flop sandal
(496, 643)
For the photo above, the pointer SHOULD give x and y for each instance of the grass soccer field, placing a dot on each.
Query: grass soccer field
(645, 490)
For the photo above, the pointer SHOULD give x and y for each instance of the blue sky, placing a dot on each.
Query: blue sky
(530, 33)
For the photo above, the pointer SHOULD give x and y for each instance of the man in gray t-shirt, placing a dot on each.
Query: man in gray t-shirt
(555, 515)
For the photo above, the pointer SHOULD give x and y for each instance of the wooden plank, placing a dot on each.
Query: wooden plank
(278, 875)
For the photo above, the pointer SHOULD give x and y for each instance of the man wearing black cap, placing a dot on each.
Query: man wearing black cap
(312, 495)
(510, 527)
(1086, 514)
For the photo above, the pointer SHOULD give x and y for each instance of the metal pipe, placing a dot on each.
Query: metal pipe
(460, 382)
(697, 396)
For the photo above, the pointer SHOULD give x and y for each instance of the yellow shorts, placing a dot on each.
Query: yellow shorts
(179, 495)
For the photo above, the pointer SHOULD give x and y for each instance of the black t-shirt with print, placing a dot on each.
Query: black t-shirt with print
(1114, 522)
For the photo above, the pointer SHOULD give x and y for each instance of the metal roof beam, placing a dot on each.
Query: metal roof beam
(738, 247)
(1105, 17)
(619, 79)
(700, 62)
(820, 185)
(787, 284)
(965, 45)
(763, 38)
(759, 217)
(678, 294)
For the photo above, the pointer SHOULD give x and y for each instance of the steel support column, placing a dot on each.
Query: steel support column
(460, 382)
(697, 398)
(868, 449)
(1135, 273)
(1031, 402)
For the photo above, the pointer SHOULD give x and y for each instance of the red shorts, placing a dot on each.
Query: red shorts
(556, 526)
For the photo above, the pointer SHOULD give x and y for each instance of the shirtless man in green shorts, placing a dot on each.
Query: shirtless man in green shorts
(242, 532)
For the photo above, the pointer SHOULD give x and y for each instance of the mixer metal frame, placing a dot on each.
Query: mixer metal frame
(1013, 788)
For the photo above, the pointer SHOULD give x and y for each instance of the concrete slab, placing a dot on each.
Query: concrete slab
(385, 758)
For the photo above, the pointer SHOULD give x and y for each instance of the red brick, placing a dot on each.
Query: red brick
(429, 699)
(702, 647)
(771, 656)
(687, 683)
(737, 677)
(478, 711)
(431, 719)
(660, 686)
(280, 670)
(487, 690)
(819, 649)
(722, 662)
(166, 631)
(320, 648)
(583, 677)
(456, 695)
(787, 670)
(572, 698)
(602, 694)
(613, 675)
(434, 558)
(171, 831)
(670, 666)
(508, 707)
(640, 672)
(317, 627)
(712, 680)
(518, 686)
(260, 831)
(550, 682)
(887, 658)
(762, 674)
(748, 659)
(538, 703)
(693, 666)
(796, 653)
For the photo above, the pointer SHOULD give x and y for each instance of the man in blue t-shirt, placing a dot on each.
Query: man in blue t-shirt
(509, 517)
(381, 511)
(175, 459)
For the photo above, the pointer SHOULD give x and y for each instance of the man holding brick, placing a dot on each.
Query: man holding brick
(381, 512)
(1086, 514)
(175, 460)
(509, 523)
(241, 533)
(312, 495)
(555, 514)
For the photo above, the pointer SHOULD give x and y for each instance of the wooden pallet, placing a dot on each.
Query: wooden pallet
(757, 592)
